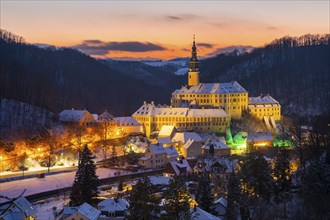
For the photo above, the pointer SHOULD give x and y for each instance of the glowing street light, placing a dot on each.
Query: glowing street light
(1, 163)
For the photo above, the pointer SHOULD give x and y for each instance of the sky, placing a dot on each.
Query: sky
(160, 29)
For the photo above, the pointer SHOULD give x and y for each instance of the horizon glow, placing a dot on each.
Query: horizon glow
(161, 29)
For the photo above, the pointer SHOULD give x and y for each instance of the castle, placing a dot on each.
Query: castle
(206, 107)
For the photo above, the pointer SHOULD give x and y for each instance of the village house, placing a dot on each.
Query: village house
(260, 140)
(215, 165)
(20, 208)
(157, 156)
(177, 168)
(191, 149)
(220, 207)
(200, 214)
(216, 148)
(81, 117)
(113, 209)
(128, 125)
(183, 137)
(83, 212)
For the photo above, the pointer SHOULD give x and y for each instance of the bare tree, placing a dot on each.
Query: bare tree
(76, 133)
(106, 129)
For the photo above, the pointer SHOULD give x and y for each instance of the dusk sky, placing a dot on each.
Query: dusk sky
(161, 29)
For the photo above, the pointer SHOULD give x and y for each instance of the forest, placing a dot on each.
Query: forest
(294, 70)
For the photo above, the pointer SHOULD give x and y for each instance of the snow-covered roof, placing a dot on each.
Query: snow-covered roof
(25, 206)
(69, 210)
(72, 115)
(112, 205)
(256, 106)
(200, 214)
(171, 151)
(151, 110)
(159, 180)
(89, 211)
(216, 144)
(206, 113)
(208, 162)
(222, 201)
(179, 165)
(13, 214)
(264, 100)
(188, 143)
(157, 149)
(166, 131)
(105, 116)
(212, 88)
(165, 140)
(95, 116)
(260, 136)
(185, 136)
(144, 158)
(126, 121)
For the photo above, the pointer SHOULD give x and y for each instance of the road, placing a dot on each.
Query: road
(34, 172)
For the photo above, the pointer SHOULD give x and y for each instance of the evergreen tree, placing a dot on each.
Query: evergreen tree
(84, 188)
(143, 204)
(177, 200)
(281, 173)
(204, 196)
(233, 196)
(282, 177)
(120, 186)
(257, 178)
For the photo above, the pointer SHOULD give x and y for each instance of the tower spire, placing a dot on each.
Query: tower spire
(193, 63)
(193, 74)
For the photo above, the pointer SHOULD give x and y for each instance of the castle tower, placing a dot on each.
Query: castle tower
(193, 74)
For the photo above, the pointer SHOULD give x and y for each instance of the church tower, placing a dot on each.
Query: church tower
(193, 74)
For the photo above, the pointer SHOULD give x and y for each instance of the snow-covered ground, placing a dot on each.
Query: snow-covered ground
(182, 71)
(179, 63)
(17, 115)
(45, 210)
(52, 182)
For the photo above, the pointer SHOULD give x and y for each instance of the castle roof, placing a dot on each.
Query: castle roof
(152, 110)
(264, 100)
(212, 88)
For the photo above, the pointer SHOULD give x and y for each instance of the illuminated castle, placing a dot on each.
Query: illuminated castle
(206, 107)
